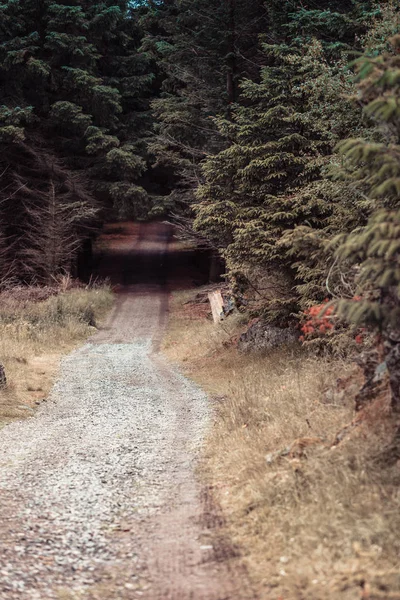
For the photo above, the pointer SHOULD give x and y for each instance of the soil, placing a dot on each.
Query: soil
(99, 493)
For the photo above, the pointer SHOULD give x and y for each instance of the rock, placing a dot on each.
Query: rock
(261, 337)
(374, 371)
(25, 407)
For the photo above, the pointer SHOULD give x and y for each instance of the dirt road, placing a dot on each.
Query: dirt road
(99, 497)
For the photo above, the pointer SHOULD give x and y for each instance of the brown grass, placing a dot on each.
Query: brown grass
(38, 326)
(313, 522)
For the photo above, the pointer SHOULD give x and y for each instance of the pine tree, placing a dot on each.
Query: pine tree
(269, 200)
(375, 248)
(204, 47)
(338, 24)
(73, 95)
(109, 86)
(264, 202)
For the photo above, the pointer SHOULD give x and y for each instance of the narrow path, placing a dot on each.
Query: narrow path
(98, 494)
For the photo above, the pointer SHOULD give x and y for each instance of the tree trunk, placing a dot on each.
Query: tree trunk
(391, 346)
(3, 378)
(83, 264)
(231, 86)
(216, 268)
(392, 356)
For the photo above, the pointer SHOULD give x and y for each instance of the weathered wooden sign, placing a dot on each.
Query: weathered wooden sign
(217, 305)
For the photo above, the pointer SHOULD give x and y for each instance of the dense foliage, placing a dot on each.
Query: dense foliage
(204, 48)
(273, 197)
(374, 249)
(73, 101)
(279, 127)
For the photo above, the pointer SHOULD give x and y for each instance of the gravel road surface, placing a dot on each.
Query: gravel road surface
(99, 497)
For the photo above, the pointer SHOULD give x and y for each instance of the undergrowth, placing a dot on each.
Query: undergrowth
(37, 326)
(314, 519)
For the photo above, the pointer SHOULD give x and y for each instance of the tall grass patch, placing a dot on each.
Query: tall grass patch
(314, 519)
(35, 332)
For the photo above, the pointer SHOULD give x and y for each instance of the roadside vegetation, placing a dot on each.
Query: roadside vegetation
(308, 488)
(37, 326)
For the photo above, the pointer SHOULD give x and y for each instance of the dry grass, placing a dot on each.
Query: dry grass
(37, 326)
(313, 522)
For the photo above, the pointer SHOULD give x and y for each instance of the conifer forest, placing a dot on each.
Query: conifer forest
(266, 131)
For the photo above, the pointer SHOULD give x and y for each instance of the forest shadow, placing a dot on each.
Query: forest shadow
(148, 254)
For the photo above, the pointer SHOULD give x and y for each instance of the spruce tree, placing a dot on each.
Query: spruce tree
(269, 200)
(375, 247)
(268, 184)
(73, 96)
(204, 48)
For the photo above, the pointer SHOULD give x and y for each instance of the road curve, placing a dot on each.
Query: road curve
(98, 494)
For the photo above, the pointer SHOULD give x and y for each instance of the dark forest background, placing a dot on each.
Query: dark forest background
(267, 130)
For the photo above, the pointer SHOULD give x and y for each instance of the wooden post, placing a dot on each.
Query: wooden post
(217, 305)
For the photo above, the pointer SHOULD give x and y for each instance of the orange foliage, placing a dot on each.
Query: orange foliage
(318, 319)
